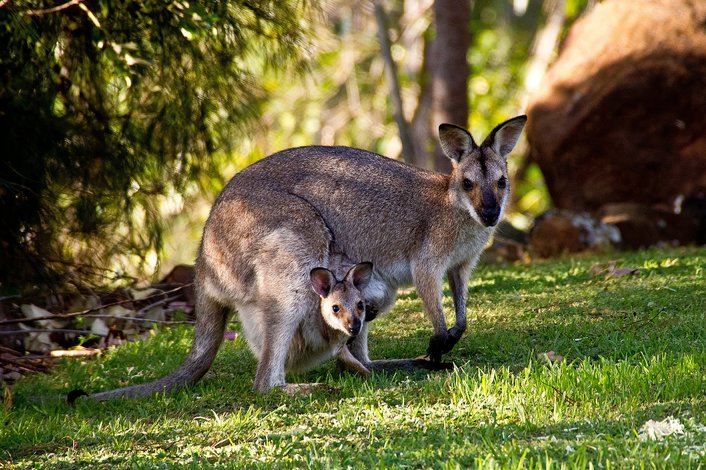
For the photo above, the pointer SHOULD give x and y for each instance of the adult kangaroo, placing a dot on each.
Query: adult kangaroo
(279, 218)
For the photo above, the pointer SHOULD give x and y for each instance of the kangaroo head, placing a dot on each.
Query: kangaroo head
(479, 182)
(342, 304)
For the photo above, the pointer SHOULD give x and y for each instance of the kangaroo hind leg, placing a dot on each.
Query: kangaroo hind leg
(278, 337)
(279, 326)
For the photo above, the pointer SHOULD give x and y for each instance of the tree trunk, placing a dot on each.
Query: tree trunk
(408, 147)
(450, 69)
(545, 44)
(424, 135)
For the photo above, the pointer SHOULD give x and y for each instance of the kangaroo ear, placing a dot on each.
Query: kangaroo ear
(360, 274)
(503, 138)
(322, 281)
(456, 142)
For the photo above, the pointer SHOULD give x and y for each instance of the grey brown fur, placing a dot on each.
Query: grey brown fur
(277, 220)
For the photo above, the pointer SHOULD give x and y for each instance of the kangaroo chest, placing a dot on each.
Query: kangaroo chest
(314, 343)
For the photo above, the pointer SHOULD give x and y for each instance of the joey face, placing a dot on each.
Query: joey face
(342, 304)
(344, 309)
(478, 182)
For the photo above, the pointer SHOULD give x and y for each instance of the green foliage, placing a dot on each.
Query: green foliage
(108, 109)
(632, 351)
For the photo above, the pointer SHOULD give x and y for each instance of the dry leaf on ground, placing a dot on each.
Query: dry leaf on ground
(611, 270)
(658, 430)
(549, 357)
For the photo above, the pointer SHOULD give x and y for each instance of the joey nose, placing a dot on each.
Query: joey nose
(490, 216)
(355, 326)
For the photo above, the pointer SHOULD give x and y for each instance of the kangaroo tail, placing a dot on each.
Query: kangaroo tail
(211, 320)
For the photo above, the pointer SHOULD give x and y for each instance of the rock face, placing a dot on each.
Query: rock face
(559, 232)
(621, 117)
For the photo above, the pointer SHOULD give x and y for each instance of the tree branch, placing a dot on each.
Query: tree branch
(47, 11)
(138, 319)
(46, 330)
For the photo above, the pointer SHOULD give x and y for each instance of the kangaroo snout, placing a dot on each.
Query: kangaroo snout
(354, 326)
(490, 215)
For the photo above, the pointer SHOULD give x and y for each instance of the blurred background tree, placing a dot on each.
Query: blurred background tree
(120, 121)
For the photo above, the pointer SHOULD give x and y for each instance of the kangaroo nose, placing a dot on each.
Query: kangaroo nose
(489, 216)
(355, 326)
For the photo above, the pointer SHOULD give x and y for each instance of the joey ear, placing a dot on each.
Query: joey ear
(360, 274)
(456, 142)
(322, 281)
(503, 138)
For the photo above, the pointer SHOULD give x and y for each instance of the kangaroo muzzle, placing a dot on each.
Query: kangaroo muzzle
(489, 212)
(354, 327)
(489, 215)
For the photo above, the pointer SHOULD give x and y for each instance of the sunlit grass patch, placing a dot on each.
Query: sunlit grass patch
(624, 351)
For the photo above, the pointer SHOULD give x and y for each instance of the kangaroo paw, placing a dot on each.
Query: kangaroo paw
(437, 347)
(441, 344)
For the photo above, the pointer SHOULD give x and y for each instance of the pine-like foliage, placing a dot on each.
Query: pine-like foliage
(107, 106)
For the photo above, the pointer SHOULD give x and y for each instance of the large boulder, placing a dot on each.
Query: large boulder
(621, 117)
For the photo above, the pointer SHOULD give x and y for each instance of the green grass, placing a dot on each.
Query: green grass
(633, 349)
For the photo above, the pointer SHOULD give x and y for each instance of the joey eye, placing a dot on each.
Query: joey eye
(336, 308)
(360, 306)
(467, 184)
(502, 182)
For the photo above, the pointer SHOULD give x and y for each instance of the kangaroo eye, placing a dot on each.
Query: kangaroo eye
(360, 306)
(335, 308)
(467, 184)
(502, 182)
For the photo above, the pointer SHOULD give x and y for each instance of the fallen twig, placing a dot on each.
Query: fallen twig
(161, 322)
(143, 310)
(46, 330)
(640, 321)
(33, 357)
(60, 316)
(562, 393)
(10, 351)
(28, 366)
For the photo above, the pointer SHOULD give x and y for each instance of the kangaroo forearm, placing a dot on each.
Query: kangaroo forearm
(458, 282)
(429, 289)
